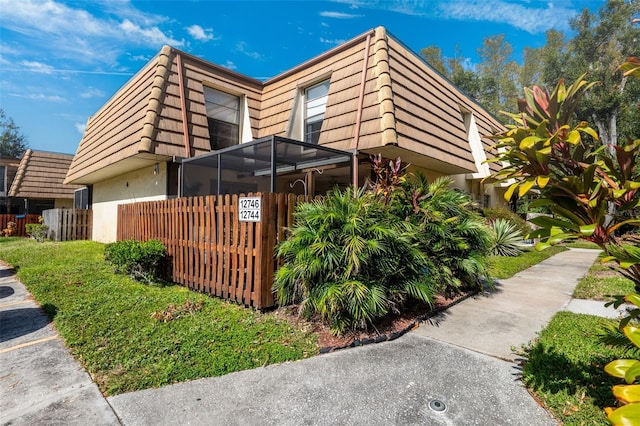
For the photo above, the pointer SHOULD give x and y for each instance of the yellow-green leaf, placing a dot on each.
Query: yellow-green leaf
(627, 415)
(633, 372)
(633, 298)
(618, 367)
(529, 142)
(633, 333)
(542, 181)
(590, 132)
(573, 137)
(627, 393)
(525, 187)
(587, 230)
(510, 191)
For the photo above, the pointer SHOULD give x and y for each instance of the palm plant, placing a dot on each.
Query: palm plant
(350, 261)
(452, 235)
(508, 238)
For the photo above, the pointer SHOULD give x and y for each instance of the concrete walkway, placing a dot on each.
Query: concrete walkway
(40, 382)
(460, 363)
(516, 310)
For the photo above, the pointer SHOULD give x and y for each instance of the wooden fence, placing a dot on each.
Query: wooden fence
(211, 250)
(21, 221)
(68, 224)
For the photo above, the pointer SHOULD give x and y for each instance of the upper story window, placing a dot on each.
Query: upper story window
(315, 104)
(223, 116)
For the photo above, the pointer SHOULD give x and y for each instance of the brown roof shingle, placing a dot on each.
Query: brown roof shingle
(40, 175)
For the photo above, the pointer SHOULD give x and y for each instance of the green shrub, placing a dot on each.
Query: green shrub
(508, 239)
(37, 231)
(453, 236)
(351, 262)
(494, 213)
(143, 261)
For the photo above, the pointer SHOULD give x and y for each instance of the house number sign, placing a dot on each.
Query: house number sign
(249, 209)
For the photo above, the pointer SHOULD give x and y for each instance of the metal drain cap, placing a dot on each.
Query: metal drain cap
(437, 405)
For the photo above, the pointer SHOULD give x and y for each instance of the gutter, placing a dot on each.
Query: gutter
(358, 123)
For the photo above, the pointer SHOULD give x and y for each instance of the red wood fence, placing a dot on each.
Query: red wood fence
(212, 251)
(20, 220)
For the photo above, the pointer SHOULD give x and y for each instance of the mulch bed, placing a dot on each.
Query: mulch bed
(388, 328)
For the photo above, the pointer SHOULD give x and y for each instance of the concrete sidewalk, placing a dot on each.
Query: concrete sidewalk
(456, 370)
(519, 307)
(40, 382)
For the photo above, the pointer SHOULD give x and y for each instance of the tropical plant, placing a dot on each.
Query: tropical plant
(451, 233)
(350, 261)
(493, 213)
(507, 238)
(589, 190)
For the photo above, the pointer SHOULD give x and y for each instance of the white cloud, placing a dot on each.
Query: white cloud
(152, 35)
(529, 18)
(241, 47)
(199, 33)
(92, 92)
(230, 65)
(334, 42)
(35, 66)
(80, 127)
(74, 34)
(39, 97)
(339, 15)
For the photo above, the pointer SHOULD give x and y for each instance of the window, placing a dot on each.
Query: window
(223, 117)
(3, 180)
(82, 198)
(315, 104)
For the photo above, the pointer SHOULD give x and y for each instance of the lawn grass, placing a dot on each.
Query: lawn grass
(116, 326)
(565, 369)
(600, 282)
(502, 267)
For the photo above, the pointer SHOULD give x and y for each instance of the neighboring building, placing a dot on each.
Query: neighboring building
(369, 95)
(8, 170)
(38, 183)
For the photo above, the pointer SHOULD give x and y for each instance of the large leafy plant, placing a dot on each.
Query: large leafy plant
(351, 262)
(591, 193)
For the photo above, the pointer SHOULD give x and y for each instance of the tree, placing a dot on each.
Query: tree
(601, 43)
(498, 75)
(454, 69)
(13, 143)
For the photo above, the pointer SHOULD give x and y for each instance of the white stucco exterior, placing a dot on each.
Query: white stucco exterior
(146, 184)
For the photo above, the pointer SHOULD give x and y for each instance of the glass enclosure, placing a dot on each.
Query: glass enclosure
(271, 164)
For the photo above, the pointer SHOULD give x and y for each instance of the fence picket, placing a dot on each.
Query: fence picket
(211, 250)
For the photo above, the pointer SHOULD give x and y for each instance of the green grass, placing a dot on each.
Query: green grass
(501, 267)
(107, 321)
(565, 369)
(600, 282)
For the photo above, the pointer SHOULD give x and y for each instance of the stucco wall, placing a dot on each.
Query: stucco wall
(140, 185)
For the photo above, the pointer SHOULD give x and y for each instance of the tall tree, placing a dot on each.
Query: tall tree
(12, 142)
(601, 44)
(553, 58)
(464, 77)
(498, 74)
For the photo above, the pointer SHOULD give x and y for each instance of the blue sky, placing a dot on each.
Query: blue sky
(61, 60)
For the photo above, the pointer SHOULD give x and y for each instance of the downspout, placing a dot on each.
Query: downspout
(363, 81)
(183, 108)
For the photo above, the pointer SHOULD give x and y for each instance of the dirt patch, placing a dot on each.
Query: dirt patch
(388, 328)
